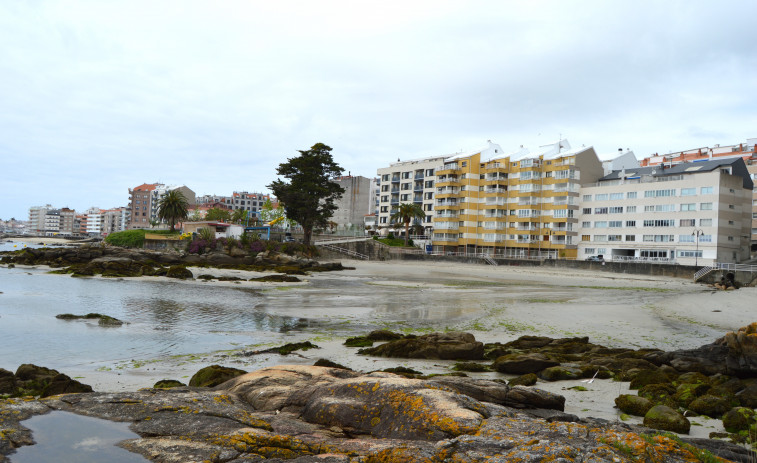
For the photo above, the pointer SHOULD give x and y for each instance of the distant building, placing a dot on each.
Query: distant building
(250, 202)
(37, 218)
(145, 199)
(624, 160)
(746, 151)
(357, 201)
(52, 222)
(690, 213)
(408, 182)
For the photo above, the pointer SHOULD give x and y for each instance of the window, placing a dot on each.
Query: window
(731, 206)
(385, 199)
(631, 195)
(614, 238)
(688, 207)
(688, 191)
(616, 223)
(384, 187)
(630, 223)
(630, 237)
(588, 250)
(688, 238)
(660, 223)
(405, 186)
(600, 237)
(616, 210)
(601, 197)
(586, 224)
(690, 253)
(600, 210)
(730, 238)
(705, 190)
(705, 206)
(659, 238)
(705, 238)
(630, 209)
(600, 224)
(429, 172)
(616, 195)
(659, 193)
(687, 222)
(587, 197)
(385, 178)
(405, 175)
(705, 222)
(587, 210)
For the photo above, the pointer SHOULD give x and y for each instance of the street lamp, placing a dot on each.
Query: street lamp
(697, 233)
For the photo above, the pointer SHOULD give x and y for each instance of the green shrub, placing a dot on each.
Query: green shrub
(127, 239)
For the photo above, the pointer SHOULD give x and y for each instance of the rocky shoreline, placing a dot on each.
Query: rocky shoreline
(112, 261)
(333, 414)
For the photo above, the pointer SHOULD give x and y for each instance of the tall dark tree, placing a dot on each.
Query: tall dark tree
(309, 196)
(405, 213)
(173, 207)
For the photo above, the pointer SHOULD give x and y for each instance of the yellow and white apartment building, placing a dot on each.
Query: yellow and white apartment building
(516, 205)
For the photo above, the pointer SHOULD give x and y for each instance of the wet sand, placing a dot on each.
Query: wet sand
(496, 304)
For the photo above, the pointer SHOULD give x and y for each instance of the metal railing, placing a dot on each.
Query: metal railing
(349, 252)
(652, 260)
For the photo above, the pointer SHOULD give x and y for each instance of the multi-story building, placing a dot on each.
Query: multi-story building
(251, 202)
(747, 151)
(52, 222)
(357, 201)
(95, 221)
(114, 220)
(408, 182)
(519, 204)
(37, 218)
(68, 222)
(690, 213)
(145, 199)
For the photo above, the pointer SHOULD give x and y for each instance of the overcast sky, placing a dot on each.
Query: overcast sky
(100, 96)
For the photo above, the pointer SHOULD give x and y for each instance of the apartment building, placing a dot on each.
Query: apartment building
(692, 213)
(37, 218)
(52, 222)
(145, 199)
(746, 151)
(95, 220)
(408, 182)
(516, 205)
(251, 202)
(355, 203)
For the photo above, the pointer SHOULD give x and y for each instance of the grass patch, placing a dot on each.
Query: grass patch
(133, 238)
(397, 242)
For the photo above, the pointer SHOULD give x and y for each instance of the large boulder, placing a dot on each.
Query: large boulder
(739, 419)
(666, 419)
(214, 375)
(633, 404)
(518, 364)
(7, 382)
(454, 345)
(62, 384)
(645, 377)
(742, 351)
(179, 272)
(710, 405)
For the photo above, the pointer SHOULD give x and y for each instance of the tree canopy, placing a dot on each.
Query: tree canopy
(310, 195)
(405, 213)
(173, 207)
(218, 214)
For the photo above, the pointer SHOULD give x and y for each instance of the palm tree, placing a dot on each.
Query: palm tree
(239, 216)
(173, 207)
(406, 212)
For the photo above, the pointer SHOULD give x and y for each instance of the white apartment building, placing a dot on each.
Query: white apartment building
(37, 218)
(691, 213)
(95, 220)
(408, 182)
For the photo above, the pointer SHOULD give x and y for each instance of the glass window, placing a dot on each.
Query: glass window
(705, 206)
(688, 207)
(630, 223)
(631, 195)
(687, 223)
(587, 210)
(616, 223)
(601, 197)
(688, 191)
(630, 209)
(705, 222)
(630, 237)
(705, 190)
(616, 195)
(600, 224)
(587, 197)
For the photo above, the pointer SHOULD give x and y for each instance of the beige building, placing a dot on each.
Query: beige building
(689, 213)
(407, 182)
(521, 204)
(144, 201)
(355, 203)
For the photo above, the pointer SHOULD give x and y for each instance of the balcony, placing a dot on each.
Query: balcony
(418, 176)
(418, 187)
(396, 179)
(447, 214)
(394, 202)
(446, 202)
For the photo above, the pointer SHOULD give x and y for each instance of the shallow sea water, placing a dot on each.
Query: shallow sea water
(64, 437)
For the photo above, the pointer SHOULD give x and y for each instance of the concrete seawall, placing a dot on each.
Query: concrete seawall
(377, 251)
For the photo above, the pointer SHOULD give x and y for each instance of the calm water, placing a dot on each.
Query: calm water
(64, 437)
(163, 318)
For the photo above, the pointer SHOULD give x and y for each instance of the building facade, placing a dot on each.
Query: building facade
(692, 213)
(408, 182)
(521, 204)
(746, 151)
(144, 201)
(355, 203)
(37, 218)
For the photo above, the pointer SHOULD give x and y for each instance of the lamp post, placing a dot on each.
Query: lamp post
(697, 233)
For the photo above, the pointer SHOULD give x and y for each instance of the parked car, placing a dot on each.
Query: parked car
(288, 239)
(595, 259)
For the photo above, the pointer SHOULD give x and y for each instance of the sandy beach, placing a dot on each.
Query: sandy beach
(496, 304)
